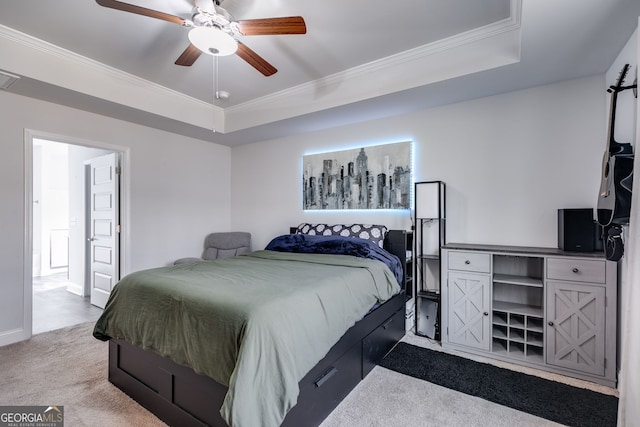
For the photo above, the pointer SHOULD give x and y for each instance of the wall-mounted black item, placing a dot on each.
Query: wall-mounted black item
(575, 230)
(613, 245)
(614, 197)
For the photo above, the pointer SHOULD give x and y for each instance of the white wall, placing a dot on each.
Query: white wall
(509, 162)
(52, 202)
(179, 191)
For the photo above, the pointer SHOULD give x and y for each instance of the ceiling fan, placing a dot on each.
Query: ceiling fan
(215, 32)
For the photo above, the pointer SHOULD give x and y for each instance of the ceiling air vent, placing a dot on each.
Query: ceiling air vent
(6, 79)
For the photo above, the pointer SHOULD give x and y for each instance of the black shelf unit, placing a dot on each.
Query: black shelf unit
(430, 236)
(401, 242)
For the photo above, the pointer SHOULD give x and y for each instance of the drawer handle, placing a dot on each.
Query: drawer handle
(467, 262)
(387, 323)
(326, 376)
(575, 269)
(550, 323)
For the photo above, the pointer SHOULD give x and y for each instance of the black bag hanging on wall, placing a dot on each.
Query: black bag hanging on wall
(613, 245)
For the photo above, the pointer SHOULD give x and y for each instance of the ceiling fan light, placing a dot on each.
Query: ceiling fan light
(213, 41)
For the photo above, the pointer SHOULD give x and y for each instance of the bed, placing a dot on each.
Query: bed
(275, 337)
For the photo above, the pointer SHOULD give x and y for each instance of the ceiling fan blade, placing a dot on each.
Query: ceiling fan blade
(126, 7)
(255, 60)
(272, 26)
(189, 56)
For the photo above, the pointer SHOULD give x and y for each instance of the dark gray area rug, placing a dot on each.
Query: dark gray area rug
(544, 398)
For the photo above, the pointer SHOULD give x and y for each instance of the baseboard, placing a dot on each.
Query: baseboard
(75, 289)
(13, 336)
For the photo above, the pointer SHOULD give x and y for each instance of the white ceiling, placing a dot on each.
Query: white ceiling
(360, 59)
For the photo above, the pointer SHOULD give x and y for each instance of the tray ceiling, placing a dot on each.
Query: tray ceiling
(358, 60)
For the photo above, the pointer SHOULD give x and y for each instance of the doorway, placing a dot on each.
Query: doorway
(61, 233)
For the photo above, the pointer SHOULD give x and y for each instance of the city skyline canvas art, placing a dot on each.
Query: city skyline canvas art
(372, 177)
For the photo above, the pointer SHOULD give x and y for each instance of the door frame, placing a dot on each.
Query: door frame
(125, 214)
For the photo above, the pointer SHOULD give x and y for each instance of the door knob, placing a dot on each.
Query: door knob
(550, 323)
(91, 239)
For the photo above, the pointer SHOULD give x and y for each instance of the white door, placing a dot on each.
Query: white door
(104, 226)
(469, 303)
(576, 326)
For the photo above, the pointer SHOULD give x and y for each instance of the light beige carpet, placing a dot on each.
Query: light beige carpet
(69, 367)
(388, 399)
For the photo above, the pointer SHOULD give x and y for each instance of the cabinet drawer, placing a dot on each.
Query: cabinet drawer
(470, 261)
(578, 270)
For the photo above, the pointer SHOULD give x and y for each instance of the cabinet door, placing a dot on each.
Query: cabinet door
(469, 304)
(576, 326)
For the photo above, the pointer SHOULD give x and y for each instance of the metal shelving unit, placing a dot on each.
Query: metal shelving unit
(430, 236)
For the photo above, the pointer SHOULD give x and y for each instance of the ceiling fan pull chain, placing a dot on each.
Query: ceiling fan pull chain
(215, 78)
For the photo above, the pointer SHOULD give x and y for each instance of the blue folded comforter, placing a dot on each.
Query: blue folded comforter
(336, 245)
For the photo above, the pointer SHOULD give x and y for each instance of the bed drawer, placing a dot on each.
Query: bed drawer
(470, 261)
(379, 342)
(579, 270)
(322, 393)
(174, 393)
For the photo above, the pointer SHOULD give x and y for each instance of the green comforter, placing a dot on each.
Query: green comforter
(256, 323)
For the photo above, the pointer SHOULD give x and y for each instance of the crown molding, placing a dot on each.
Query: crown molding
(380, 65)
(303, 99)
(105, 82)
(490, 46)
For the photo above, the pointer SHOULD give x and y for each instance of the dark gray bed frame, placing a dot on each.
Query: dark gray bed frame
(180, 397)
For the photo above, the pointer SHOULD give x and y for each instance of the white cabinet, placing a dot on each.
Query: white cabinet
(539, 307)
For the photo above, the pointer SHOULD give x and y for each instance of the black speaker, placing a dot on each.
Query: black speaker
(598, 242)
(576, 230)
